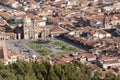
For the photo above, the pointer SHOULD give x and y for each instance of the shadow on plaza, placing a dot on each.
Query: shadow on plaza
(74, 43)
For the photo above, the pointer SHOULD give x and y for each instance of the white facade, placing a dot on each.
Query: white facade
(72, 3)
(108, 8)
(111, 64)
(41, 23)
(116, 5)
(91, 59)
(57, 0)
(98, 24)
(108, 35)
(13, 59)
(72, 32)
(98, 35)
(115, 22)
(95, 0)
(25, 8)
(15, 5)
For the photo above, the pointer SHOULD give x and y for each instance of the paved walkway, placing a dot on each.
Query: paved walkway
(21, 46)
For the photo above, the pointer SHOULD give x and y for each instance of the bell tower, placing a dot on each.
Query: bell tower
(107, 23)
(26, 27)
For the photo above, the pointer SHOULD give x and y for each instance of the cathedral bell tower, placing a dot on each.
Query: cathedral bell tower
(107, 23)
(28, 28)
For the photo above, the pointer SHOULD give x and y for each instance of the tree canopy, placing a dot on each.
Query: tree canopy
(45, 71)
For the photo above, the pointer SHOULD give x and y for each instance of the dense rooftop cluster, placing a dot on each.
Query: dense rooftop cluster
(92, 24)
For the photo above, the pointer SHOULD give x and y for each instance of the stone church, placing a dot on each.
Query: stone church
(35, 28)
(32, 27)
(29, 28)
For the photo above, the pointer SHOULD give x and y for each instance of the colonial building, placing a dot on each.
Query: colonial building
(9, 56)
(106, 62)
(6, 35)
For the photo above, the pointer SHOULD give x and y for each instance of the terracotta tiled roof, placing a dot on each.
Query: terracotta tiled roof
(83, 1)
(3, 22)
(5, 15)
(30, 15)
(58, 30)
(50, 27)
(37, 18)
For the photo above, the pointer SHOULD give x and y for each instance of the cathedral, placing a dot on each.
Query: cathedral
(35, 28)
(28, 28)
(32, 28)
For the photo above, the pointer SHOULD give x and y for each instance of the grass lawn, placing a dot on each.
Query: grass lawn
(38, 48)
(34, 45)
(44, 52)
(66, 48)
(60, 46)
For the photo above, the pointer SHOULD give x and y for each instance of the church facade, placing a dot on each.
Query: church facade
(36, 28)
(31, 28)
